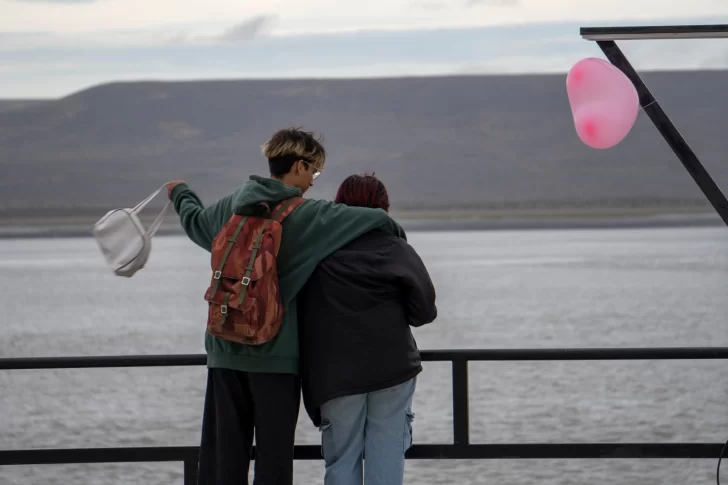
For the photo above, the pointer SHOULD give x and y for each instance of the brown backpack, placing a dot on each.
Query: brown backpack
(244, 299)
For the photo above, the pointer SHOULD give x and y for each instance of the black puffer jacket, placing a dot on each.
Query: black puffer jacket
(354, 318)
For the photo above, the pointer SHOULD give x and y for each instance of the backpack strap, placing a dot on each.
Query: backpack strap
(281, 212)
(285, 208)
(218, 273)
(246, 279)
(231, 242)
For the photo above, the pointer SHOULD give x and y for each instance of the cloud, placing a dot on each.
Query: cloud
(492, 3)
(45, 64)
(252, 28)
(248, 30)
(179, 38)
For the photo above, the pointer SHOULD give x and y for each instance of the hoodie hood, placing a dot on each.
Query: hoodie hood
(262, 189)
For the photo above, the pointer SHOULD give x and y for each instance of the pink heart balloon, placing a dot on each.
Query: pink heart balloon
(603, 101)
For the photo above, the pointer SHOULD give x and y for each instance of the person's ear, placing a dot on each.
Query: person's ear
(298, 167)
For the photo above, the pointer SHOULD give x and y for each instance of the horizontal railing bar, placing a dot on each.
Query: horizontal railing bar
(105, 361)
(493, 355)
(423, 451)
(668, 353)
(655, 32)
(98, 455)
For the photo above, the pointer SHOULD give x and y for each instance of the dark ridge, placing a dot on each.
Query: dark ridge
(446, 143)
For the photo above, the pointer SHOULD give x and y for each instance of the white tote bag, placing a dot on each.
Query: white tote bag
(123, 240)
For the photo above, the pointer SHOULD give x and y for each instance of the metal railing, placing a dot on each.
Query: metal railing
(461, 448)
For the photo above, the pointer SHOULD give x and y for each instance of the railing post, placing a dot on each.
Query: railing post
(460, 413)
(190, 471)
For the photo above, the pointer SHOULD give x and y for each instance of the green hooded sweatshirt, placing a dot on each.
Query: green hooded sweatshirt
(312, 232)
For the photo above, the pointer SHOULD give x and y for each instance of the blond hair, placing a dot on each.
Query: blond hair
(295, 143)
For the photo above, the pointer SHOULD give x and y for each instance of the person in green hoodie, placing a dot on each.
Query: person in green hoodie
(256, 389)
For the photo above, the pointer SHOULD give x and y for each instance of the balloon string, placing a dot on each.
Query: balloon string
(649, 104)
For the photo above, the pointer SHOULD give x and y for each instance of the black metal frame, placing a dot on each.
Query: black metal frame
(461, 447)
(605, 38)
(653, 32)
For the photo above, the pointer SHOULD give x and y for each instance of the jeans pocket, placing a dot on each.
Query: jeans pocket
(327, 443)
(408, 430)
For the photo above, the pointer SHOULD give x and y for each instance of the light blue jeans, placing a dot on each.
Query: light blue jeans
(376, 426)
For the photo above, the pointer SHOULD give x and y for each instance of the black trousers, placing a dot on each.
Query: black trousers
(238, 404)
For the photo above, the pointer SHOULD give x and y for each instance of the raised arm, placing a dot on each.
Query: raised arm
(200, 223)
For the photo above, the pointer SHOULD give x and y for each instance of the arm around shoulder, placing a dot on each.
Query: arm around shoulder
(329, 226)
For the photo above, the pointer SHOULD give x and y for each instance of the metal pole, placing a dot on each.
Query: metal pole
(190, 471)
(460, 413)
(667, 130)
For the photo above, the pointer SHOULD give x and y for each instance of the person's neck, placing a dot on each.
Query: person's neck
(286, 180)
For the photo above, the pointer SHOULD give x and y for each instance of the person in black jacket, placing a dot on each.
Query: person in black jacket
(359, 360)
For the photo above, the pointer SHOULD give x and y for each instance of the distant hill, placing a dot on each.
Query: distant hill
(18, 104)
(473, 142)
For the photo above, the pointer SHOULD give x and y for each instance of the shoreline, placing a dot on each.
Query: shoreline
(421, 224)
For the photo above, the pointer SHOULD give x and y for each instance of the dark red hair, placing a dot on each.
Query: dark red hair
(363, 191)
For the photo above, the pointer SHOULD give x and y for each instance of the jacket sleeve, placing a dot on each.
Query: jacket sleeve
(331, 226)
(417, 287)
(200, 223)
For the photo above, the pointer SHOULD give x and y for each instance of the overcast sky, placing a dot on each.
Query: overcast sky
(52, 48)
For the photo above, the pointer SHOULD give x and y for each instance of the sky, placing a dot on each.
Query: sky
(52, 48)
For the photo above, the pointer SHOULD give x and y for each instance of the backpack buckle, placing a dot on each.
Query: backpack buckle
(246, 281)
(217, 275)
(223, 309)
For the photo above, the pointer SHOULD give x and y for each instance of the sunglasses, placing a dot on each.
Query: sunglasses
(316, 172)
